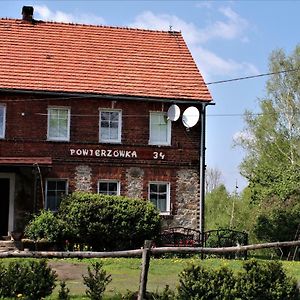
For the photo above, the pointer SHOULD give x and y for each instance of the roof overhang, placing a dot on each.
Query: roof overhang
(26, 161)
(75, 95)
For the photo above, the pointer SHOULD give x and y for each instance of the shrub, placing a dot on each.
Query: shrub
(278, 224)
(109, 222)
(266, 281)
(196, 282)
(96, 281)
(45, 226)
(33, 280)
(63, 293)
(258, 280)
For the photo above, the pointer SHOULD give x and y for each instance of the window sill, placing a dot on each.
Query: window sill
(54, 140)
(110, 142)
(159, 144)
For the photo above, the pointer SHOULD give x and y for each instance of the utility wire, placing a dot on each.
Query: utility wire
(253, 76)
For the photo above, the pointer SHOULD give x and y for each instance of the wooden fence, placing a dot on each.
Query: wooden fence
(145, 253)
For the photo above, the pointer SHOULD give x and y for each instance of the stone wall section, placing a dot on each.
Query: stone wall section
(187, 199)
(83, 178)
(134, 182)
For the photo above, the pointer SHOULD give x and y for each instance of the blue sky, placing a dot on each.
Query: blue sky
(227, 39)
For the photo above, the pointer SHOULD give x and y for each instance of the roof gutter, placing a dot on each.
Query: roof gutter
(108, 96)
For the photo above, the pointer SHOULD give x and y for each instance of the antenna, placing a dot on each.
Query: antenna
(190, 117)
(173, 112)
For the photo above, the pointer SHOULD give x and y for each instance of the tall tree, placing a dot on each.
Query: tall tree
(213, 179)
(272, 138)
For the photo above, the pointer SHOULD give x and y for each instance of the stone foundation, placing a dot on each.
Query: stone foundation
(134, 181)
(187, 200)
(83, 178)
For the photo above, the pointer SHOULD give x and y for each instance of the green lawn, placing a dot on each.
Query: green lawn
(126, 272)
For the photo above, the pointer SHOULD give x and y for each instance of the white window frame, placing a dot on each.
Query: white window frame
(46, 188)
(168, 200)
(118, 139)
(109, 181)
(67, 138)
(152, 141)
(2, 132)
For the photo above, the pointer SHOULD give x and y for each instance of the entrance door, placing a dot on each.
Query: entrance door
(4, 205)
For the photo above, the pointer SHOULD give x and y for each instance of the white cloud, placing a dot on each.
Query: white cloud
(45, 14)
(232, 27)
(149, 20)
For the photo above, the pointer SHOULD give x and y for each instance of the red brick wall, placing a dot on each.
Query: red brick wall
(26, 129)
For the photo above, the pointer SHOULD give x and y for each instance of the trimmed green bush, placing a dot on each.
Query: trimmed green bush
(197, 282)
(265, 281)
(108, 222)
(45, 226)
(33, 280)
(257, 281)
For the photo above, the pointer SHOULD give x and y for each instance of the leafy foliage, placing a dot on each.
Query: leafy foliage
(63, 293)
(264, 280)
(272, 138)
(109, 222)
(96, 281)
(225, 210)
(33, 280)
(46, 225)
(197, 282)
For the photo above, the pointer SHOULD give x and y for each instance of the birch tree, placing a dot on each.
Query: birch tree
(272, 138)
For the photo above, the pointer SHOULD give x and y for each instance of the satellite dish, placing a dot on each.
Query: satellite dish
(190, 116)
(173, 112)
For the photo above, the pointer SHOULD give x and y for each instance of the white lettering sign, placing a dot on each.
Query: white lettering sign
(158, 155)
(114, 153)
(104, 153)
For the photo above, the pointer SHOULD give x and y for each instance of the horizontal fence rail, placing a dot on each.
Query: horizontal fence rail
(145, 253)
(138, 252)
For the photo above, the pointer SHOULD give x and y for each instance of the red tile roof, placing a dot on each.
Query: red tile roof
(47, 56)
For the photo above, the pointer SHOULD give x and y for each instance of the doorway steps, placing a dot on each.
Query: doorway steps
(7, 244)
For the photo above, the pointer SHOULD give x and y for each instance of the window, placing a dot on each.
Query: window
(160, 129)
(58, 124)
(159, 195)
(108, 187)
(55, 190)
(110, 126)
(2, 120)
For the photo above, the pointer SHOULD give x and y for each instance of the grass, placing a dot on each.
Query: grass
(126, 272)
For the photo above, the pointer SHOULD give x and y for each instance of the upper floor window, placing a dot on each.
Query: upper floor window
(159, 195)
(110, 126)
(58, 124)
(160, 129)
(2, 120)
(55, 190)
(109, 187)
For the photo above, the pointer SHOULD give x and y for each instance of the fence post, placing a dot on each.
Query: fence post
(144, 271)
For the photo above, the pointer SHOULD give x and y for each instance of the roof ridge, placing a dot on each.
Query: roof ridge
(96, 26)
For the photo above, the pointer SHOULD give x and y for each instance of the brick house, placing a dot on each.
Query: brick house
(85, 108)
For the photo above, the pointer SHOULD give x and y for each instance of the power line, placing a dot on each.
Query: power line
(253, 76)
